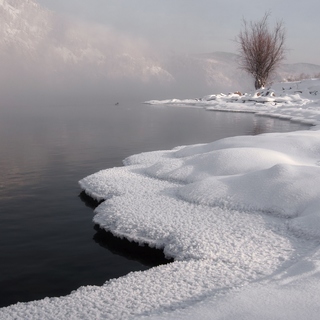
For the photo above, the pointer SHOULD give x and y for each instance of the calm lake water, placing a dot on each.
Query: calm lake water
(48, 243)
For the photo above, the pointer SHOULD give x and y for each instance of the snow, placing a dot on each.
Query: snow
(240, 216)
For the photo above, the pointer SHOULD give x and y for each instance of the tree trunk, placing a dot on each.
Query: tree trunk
(258, 83)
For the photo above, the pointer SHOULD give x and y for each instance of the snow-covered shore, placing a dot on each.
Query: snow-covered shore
(240, 216)
(295, 101)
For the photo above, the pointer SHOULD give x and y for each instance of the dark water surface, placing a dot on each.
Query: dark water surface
(48, 243)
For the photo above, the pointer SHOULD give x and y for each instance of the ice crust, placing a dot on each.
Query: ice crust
(240, 216)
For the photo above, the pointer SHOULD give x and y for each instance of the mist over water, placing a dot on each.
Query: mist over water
(51, 58)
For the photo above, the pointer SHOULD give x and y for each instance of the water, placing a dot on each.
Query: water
(48, 243)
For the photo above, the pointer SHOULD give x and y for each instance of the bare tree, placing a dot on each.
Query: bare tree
(260, 49)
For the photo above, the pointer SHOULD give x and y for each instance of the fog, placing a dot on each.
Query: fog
(69, 62)
(55, 59)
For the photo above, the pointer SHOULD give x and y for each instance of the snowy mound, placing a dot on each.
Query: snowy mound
(156, 194)
(240, 216)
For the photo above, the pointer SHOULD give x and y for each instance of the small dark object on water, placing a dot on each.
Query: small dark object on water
(116, 103)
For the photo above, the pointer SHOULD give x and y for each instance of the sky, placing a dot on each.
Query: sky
(185, 26)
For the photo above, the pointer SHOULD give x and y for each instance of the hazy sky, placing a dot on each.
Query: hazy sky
(203, 25)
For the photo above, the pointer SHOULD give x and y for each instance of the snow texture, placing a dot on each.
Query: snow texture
(240, 216)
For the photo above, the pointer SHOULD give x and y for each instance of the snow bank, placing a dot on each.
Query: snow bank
(240, 216)
(295, 101)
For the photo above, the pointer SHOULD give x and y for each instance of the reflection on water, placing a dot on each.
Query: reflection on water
(130, 250)
(47, 243)
(88, 201)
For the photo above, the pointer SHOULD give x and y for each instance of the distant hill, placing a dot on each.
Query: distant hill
(299, 71)
(220, 71)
